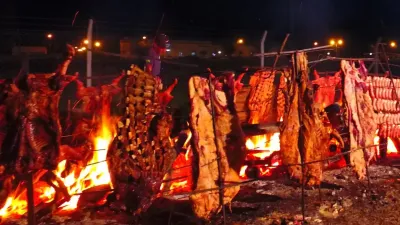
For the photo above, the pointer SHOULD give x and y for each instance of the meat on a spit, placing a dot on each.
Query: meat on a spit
(229, 143)
(363, 124)
(32, 143)
(266, 100)
(142, 152)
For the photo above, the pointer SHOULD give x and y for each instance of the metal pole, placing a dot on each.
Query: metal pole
(279, 53)
(89, 54)
(325, 47)
(31, 205)
(220, 179)
(262, 50)
(298, 76)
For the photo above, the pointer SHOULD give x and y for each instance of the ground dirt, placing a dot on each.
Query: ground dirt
(342, 199)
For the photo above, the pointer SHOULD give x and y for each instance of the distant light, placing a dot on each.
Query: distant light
(393, 44)
(328, 53)
(144, 37)
(168, 50)
(97, 44)
(315, 43)
(86, 42)
(80, 50)
(193, 53)
(219, 52)
(76, 47)
(340, 42)
(370, 53)
(83, 48)
(49, 36)
(213, 54)
(240, 41)
(332, 42)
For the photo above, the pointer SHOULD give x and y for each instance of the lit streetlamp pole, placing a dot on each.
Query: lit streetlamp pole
(337, 43)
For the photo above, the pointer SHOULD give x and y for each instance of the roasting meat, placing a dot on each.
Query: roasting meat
(229, 142)
(362, 125)
(142, 152)
(266, 99)
(289, 135)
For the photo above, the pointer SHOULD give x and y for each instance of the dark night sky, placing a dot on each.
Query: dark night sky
(358, 22)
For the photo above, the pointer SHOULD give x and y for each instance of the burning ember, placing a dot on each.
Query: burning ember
(95, 173)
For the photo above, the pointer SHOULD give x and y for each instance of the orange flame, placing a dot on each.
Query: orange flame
(181, 168)
(94, 174)
(262, 142)
(259, 148)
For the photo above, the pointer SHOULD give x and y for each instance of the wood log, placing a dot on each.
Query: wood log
(93, 196)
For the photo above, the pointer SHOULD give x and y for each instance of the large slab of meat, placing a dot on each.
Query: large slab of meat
(362, 120)
(314, 136)
(142, 152)
(228, 142)
(289, 136)
(266, 100)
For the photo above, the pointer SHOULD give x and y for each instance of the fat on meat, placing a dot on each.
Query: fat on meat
(230, 144)
(363, 124)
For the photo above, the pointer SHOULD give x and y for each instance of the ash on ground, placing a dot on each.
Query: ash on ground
(342, 199)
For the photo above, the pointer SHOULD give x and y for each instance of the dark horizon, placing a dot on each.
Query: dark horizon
(358, 22)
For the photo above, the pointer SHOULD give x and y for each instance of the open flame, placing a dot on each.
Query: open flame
(181, 169)
(391, 148)
(261, 147)
(266, 145)
(95, 173)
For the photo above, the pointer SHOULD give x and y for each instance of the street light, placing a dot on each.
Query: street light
(97, 44)
(315, 43)
(393, 44)
(49, 36)
(144, 37)
(240, 41)
(336, 43)
(86, 42)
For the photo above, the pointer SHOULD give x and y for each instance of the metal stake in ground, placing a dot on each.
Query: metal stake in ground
(300, 142)
(220, 181)
(31, 204)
